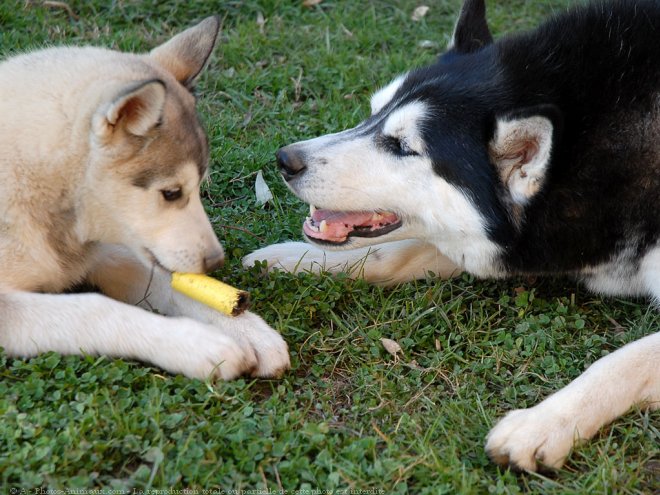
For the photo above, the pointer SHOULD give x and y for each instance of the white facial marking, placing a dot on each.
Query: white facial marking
(405, 124)
(384, 95)
(454, 225)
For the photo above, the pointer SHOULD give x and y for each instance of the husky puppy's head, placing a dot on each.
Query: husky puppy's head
(149, 154)
(443, 158)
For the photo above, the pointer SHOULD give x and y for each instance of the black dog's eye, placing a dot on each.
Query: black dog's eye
(172, 194)
(397, 146)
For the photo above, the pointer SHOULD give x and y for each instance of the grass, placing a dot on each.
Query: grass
(348, 415)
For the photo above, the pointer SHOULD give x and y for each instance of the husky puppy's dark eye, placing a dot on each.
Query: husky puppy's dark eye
(172, 194)
(397, 146)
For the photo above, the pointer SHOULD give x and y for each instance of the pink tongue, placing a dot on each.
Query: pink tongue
(341, 223)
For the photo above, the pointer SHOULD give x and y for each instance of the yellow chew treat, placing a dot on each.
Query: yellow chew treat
(211, 292)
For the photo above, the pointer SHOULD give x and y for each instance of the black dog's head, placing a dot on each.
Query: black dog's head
(445, 157)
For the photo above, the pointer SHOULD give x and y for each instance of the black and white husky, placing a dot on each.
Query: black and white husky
(539, 153)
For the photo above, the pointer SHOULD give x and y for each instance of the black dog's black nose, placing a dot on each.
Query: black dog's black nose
(291, 163)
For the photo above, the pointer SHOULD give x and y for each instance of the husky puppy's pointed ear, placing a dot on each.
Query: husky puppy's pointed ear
(186, 55)
(521, 148)
(471, 32)
(137, 109)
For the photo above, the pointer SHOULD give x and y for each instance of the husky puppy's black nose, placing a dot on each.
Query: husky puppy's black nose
(214, 261)
(290, 162)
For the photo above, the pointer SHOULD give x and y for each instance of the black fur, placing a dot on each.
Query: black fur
(597, 68)
(472, 32)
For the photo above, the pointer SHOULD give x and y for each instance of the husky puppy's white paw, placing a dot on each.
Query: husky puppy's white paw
(266, 353)
(529, 439)
(269, 348)
(227, 347)
(199, 351)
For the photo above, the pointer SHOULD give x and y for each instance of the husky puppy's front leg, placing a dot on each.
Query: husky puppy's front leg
(122, 277)
(546, 433)
(389, 263)
(95, 324)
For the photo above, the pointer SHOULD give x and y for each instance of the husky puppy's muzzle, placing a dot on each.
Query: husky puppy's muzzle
(325, 226)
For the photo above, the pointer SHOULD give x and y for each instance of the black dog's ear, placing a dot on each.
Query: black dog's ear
(521, 148)
(471, 32)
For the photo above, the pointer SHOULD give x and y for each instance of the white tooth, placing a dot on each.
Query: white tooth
(312, 209)
(324, 226)
(376, 217)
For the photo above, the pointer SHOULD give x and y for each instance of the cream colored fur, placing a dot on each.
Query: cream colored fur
(101, 159)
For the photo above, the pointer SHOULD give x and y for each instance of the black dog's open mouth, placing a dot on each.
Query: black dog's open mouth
(335, 227)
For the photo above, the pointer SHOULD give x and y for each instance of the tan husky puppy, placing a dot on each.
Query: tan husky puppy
(101, 159)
